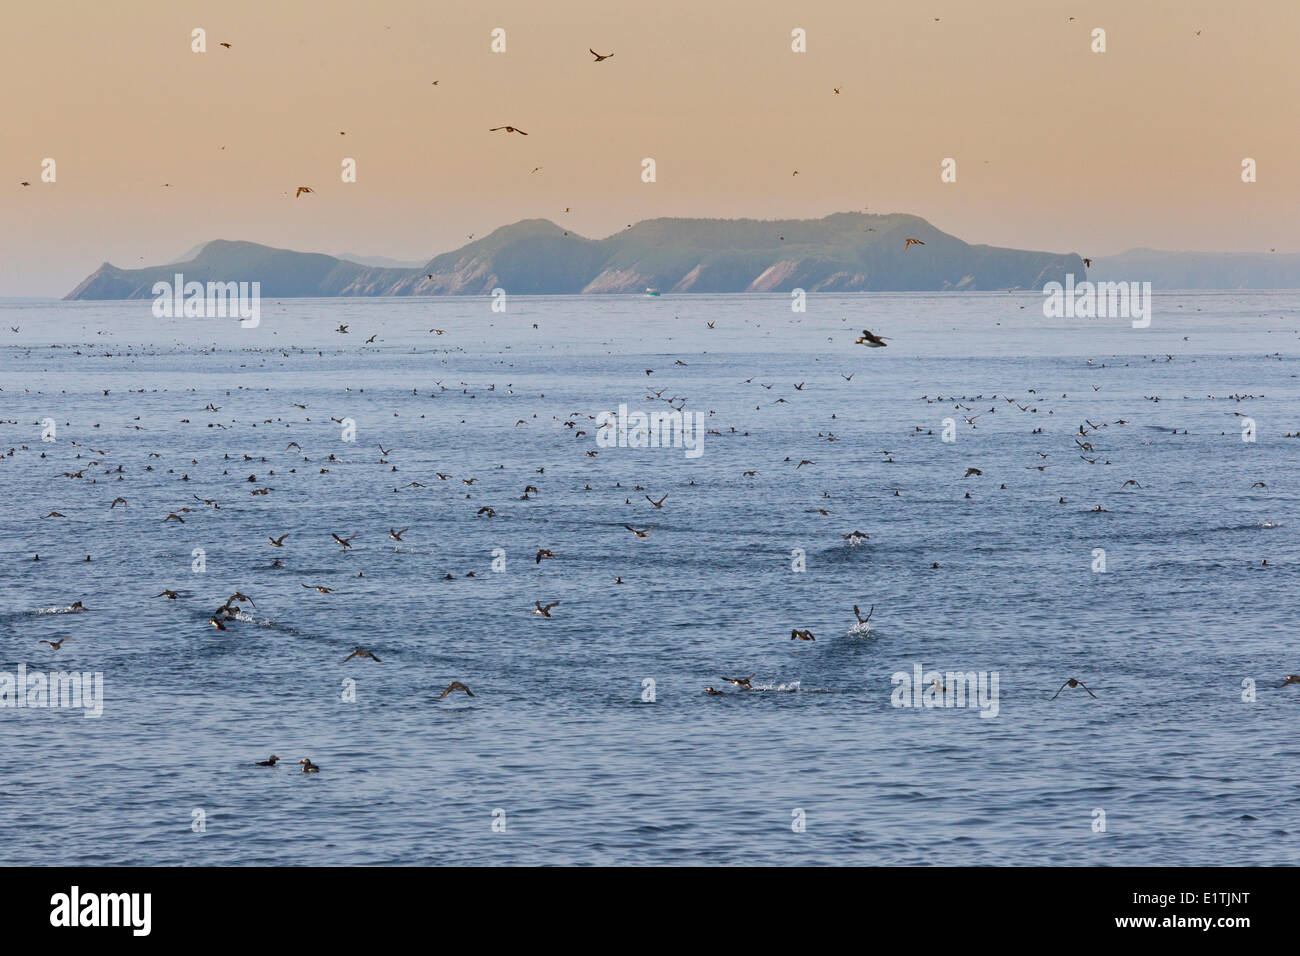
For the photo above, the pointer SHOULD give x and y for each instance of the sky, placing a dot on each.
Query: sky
(1057, 148)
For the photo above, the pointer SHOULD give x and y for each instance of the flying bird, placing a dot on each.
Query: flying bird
(455, 685)
(508, 129)
(1073, 682)
(303, 189)
(598, 56)
(911, 242)
(870, 341)
(364, 654)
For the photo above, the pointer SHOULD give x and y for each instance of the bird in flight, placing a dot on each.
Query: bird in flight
(1290, 678)
(804, 635)
(318, 587)
(455, 685)
(344, 543)
(303, 189)
(910, 242)
(544, 611)
(870, 341)
(56, 644)
(364, 654)
(277, 542)
(659, 503)
(225, 44)
(639, 534)
(972, 471)
(741, 682)
(396, 535)
(544, 553)
(1073, 682)
(508, 129)
(598, 56)
(1087, 262)
(858, 614)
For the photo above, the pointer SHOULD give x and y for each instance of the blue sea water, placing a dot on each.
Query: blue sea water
(558, 737)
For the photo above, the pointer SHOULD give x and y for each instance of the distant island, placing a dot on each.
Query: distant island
(843, 252)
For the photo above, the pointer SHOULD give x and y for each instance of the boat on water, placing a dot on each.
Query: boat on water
(651, 290)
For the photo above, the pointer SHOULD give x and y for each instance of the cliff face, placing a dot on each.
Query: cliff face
(845, 252)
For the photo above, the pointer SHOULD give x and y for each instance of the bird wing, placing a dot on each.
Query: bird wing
(1085, 687)
(1058, 693)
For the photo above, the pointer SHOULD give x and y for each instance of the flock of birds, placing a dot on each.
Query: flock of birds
(98, 466)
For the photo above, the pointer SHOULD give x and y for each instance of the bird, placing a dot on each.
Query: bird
(659, 503)
(870, 341)
(271, 762)
(277, 542)
(1073, 682)
(303, 189)
(858, 614)
(639, 534)
(972, 471)
(508, 129)
(55, 645)
(598, 56)
(308, 766)
(742, 682)
(455, 685)
(320, 588)
(169, 595)
(225, 44)
(116, 502)
(1290, 679)
(364, 654)
(714, 693)
(397, 535)
(804, 635)
(1087, 262)
(544, 553)
(544, 611)
(344, 543)
(912, 242)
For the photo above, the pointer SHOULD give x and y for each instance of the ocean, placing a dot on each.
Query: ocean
(590, 738)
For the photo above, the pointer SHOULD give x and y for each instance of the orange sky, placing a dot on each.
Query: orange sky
(1057, 148)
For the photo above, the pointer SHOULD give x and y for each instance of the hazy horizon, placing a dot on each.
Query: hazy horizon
(1058, 149)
